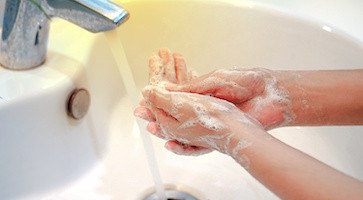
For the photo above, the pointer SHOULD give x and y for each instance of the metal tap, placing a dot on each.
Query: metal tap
(25, 26)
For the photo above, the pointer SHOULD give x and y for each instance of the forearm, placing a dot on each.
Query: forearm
(324, 97)
(292, 174)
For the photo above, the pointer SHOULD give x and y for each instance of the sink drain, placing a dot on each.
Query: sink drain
(172, 195)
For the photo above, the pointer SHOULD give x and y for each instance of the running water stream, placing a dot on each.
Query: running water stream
(119, 55)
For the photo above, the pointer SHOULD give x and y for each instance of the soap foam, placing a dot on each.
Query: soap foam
(189, 124)
(273, 95)
(201, 116)
(220, 107)
(212, 140)
(211, 123)
(244, 161)
(242, 144)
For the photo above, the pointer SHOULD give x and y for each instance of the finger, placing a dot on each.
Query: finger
(187, 150)
(144, 113)
(232, 93)
(215, 87)
(154, 128)
(169, 64)
(160, 99)
(192, 74)
(167, 125)
(142, 102)
(180, 68)
(200, 85)
(156, 69)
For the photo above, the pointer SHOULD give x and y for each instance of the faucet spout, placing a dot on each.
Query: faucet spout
(95, 16)
(25, 28)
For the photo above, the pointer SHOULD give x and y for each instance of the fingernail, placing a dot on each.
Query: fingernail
(172, 146)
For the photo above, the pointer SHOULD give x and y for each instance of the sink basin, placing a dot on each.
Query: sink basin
(47, 155)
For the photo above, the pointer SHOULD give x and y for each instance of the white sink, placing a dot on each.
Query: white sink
(46, 155)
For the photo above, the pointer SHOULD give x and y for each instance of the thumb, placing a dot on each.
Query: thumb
(186, 150)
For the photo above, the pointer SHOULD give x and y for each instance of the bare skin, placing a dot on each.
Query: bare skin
(324, 97)
(231, 100)
(312, 98)
(255, 91)
(170, 68)
(286, 171)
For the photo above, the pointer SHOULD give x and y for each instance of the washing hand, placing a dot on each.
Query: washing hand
(192, 123)
(198, 123)
(254, 91)
(166, 68)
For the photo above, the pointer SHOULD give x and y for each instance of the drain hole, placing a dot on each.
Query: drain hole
(172, 195)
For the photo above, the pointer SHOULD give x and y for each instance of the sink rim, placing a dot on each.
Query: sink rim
(89, 50)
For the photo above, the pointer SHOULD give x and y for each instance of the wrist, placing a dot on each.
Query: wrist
(276, 111)
(289, 82)
(240, 145)
(324, 97)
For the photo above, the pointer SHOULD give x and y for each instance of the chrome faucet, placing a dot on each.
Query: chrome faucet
(25, 26)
